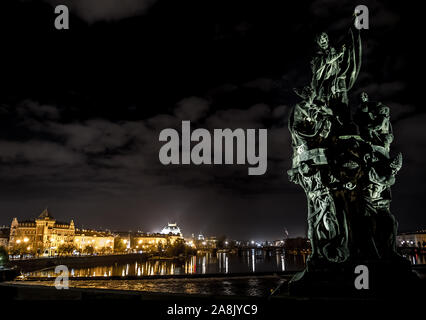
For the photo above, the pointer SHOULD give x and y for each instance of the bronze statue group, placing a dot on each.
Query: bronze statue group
(343, 161)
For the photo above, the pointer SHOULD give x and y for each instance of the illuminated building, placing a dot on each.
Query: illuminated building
(412, 239)
(44, 236)
(172, 228)
(205, 243)
(40, 236)
(89, 241)
(144, 241)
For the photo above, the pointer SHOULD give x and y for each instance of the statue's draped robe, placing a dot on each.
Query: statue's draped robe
(334, 74)
(309, 127)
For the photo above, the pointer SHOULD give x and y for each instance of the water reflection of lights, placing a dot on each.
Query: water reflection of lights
(253, 261)
(241, 287)
(191, 265)
(223, 262)
(245, 261)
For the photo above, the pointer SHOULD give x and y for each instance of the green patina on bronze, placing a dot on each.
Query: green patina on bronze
(343, 161)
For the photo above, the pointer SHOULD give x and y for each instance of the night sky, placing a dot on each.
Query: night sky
(81, 109)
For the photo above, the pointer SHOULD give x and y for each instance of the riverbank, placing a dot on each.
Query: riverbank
(252, 287)
(191, 286)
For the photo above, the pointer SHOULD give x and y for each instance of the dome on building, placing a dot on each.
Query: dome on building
(171, 228)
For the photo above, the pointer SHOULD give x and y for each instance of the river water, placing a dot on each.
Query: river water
(249, 261)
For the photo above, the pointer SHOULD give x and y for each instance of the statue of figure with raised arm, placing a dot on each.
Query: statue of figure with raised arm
(334, 71)
(346, 175)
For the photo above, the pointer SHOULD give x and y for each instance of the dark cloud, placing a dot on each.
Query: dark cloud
(33, 151)
(105, 10)
(238, 118)
(192, 108)
(31, 108)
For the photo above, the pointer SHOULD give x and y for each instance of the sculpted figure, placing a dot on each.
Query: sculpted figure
(378, 198)
(346, 174)
(334, 72)
(327, 80)
(310, 126)
(362, 115)
(373, 119)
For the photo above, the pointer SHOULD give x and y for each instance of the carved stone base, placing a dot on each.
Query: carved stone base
(385, 278)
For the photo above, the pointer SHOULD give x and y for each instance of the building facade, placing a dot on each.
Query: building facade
(205, 243)
(41, 236)
(45, 236)
(90, 241)
(150, 240)
(172, 229)
(412, 239)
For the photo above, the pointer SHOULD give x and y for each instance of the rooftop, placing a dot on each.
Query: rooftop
(171, 228)
(45, 215)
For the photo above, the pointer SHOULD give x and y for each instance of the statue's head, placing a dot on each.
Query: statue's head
(364, 97)
(322, 40)
(384, 111)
